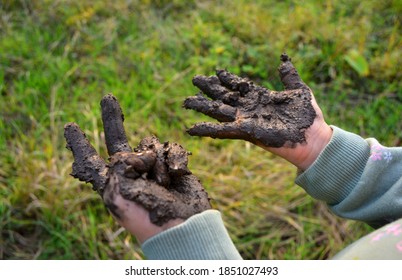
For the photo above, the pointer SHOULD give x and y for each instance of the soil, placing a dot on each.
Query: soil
(154, 175)
(251, 112)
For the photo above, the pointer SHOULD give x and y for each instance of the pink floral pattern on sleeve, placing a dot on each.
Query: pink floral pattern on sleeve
(380, 153)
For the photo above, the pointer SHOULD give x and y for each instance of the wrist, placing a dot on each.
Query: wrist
(135, 219)
(317, 139)
(303, 155)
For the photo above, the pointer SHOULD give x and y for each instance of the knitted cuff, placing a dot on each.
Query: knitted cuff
(201, 237)
(337, 169)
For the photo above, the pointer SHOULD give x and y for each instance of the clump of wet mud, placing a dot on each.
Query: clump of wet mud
(155, 175)
(251, 112)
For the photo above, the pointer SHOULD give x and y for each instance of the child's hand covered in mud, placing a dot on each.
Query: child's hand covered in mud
(147, 190)
(288, 123)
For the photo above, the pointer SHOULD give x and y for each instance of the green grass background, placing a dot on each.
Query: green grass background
(58, 58)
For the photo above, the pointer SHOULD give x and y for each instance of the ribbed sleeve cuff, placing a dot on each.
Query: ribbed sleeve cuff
(337, 169)
(201, 237)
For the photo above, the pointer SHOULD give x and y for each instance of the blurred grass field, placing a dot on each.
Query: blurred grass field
(58, 58)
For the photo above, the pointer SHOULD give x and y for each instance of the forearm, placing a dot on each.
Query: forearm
(358, 178)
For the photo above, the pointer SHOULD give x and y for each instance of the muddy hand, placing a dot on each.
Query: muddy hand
(154, 175)
(253, 113)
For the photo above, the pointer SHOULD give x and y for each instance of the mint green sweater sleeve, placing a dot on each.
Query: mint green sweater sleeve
(358, 178)
(201, 237)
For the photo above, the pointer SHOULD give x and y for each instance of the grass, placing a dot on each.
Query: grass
(58, 58)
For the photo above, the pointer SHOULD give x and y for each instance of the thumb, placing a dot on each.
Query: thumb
(288, 74)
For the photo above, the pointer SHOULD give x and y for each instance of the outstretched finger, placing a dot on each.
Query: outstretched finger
(212, 87)
(214, 130)
(88, 166)
(213, 108)
(288, 74)
(113, 118)
(234, 82)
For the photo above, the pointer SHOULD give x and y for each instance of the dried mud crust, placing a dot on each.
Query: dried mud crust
(251, 112)
(154, 175)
